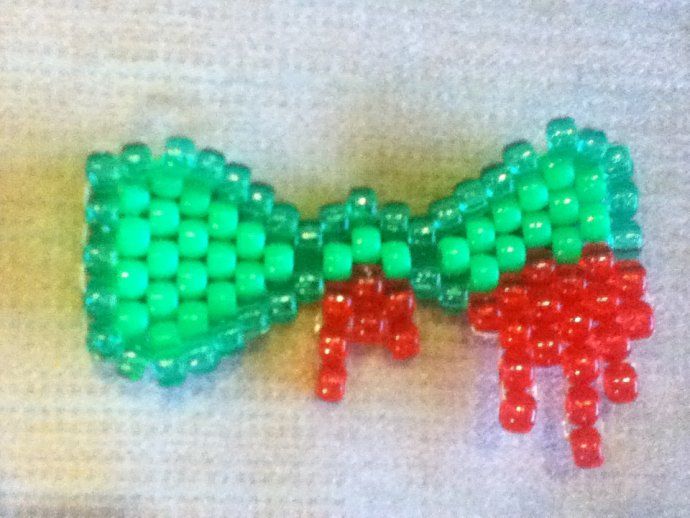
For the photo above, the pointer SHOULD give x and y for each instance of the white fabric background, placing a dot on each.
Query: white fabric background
(406, 96)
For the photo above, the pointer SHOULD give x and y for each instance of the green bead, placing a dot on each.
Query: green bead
(558, 171)
(310, 234)
(192, 279)
(259, 205)
(137, 158)
(250, 281)
(484, 272)
(591, 144)
(235, 188)
(336, 223)
(366, 244)
(279, 262)
(396, 259)
(497, 181)
(510, 253)
(100, 300)
(164, 339)
(561, 136)
(222, 220)
(507, 214)
(520, 158)
(210, 168)
(282, 224)
(102, 171)
(362, 206)
(564, 207)
(192, 318)
(163, 259)
(132, 366)
(167, 183)
(308, 286)
(100, 256)
(132, 279)
(254, 319)
(222, 300)
(134, 199)
(251, 239)
(426, 282)
(567, 244)
(623, 198)
(536, 229)
(447, 215)
(626, 237)
(282, 306)
(180, 152)
(195, 200)
(395, 221)
(590, 184)
(221, 260)
(455, 255)
(203, 358)
(337, 261)
(471, 196)
(104, 340)
(193, 238)
(532, 193)
(162, 299)
(133, 237)
(422, 232)
(617, 163)
(169, 370)
(229, 338)
(481, 234)
(164, 218)
(595, 222)
(454, 294)
(102, 211)
(132, 319)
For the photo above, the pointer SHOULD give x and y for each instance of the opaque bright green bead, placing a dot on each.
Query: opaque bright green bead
(222, 300)
(192, 279)
(395, 221)
(626, 236)
(362, 206)
(251, 239)
(510, 253)
(366, 244)
(591, 144)
(507, 214)
(193, 238)
(249, 280)
(163, 259)
(164, 218)
(132, 279)
(455, 255)
(132, 319)
(484, 272)
(164, 339)
(282, 306)
(590, 184)
(558, 171)
(222, 220)
(617, 163)
(536, 229)
(336, 223)
(532, 193)
(446, 215)
(623, 197)
(134, 199)
(167, 184)
(564, 207)
(195, 200)
(259, 205)
(192, 318)
(520, 158)
(235, 188)
(471, 196)
(337, 261)
(162, 299)
(422, 232)
(221, 260)
(481, 234)
(567, 244)
(279, 262)
(282, 224)
(454, 294)
(595, 222)
(396, 259)
(561, 136)
(133, 237)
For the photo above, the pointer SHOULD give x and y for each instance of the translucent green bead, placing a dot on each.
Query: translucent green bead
(192, 279)
(336, 223)
(561, 136)
(133, 237)
(164, 339)
(164, 218)
(195, 200)
(193, 238)
(229, 338)
(558, 171)
(100, 299)
(507, 214)
(394, 221)
(520, 158)
(137, 158)
(282, 224)
(396, 259)
(590, 184)
(210, 168)
(102, 211)
(455, 255)
(564, 207)
(279, 262)
(192, 318)
(132, 279)
(567, 244)
(250, 281)
(222, 300)
(481, 234)
(511, 253)
(180, 152)
(362, 206)
(337, 261)
(169, 370)
(366, 244)
(595, 222)
(626, 237)
(536, 229)
(591, 144)
(532, 193)
(104, 340)
(617, 163)
(251, 239)
(282, 306)
(100, 256)
(221, 260)
(308, 286)
(203, 357)
(254, 319)
(454, 294)
(134, 199)
(102, 171)
(132, 365)
(447, 215)
(162, 299)
(497, 181)
(623, 197)
(484, 272)
(310, 234)
(132, 318)
(259, 205)
(422, 232)
(235, 188)
(426, 281)
(471, 195)
(163, 259)
(222, 220)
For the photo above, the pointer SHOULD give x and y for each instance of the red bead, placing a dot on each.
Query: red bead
(515, 370)
(601, 300)
(597, 260)
(515, 335)
(570, 282)
(620, 382)
(580, 364)
(630, 278)
(332, 348)
(540, 266)
(400, 305)
(586, 446)
(610, 341)
(403, 341)
(336, 310)
(512, 295)
(544, 304)
(517, 412)
(483, 313)
(331, 384)
(636, 318)
(574, 325)
(367, 288)
(582, 405)
(368, 328)
(546, 347)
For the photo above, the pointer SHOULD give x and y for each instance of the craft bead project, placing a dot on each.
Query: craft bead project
(187, 260)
